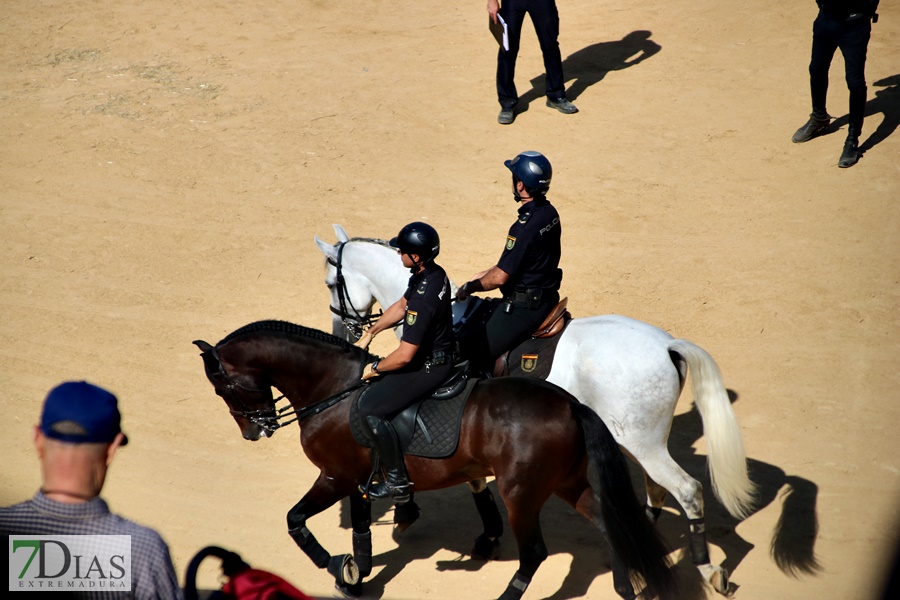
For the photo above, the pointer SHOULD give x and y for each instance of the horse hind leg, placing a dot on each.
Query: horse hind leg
(663, 473)
(524, 507)
(589, 508)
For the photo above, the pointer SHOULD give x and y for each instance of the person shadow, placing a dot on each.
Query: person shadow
(886, 102)
(589, 66)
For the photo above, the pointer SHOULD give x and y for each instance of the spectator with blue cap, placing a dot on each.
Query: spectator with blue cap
(76, 440)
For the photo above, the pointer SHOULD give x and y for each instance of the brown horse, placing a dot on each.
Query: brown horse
(533, 437)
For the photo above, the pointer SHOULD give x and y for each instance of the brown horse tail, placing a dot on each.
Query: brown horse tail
(631, 535)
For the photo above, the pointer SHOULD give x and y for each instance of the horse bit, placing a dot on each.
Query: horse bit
(271, 419)
(355, 322)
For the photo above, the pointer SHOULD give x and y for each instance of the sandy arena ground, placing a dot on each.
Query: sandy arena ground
(164, 166)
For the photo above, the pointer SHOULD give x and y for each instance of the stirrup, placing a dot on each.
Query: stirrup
(382, 490)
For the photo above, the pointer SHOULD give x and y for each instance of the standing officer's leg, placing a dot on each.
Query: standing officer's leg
(545, 17)
(854, 45)
(513, 14)
(824, 46)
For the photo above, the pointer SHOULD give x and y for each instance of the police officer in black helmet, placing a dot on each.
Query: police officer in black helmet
(420, 364)
(527, 273)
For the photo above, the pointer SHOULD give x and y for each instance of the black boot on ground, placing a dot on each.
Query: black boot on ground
(817, 124)
(850, 155)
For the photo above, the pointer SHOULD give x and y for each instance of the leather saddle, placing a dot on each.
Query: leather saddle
(429, 427)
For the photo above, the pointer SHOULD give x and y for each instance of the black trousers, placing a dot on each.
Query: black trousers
(852, 37)
(545, 18)
(504, 330)
(398, 389)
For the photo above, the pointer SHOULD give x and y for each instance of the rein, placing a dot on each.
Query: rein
(271, 419)
(356, 322)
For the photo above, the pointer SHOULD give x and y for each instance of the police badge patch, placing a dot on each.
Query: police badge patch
(510, 242)
(529, 362)
(411, 317)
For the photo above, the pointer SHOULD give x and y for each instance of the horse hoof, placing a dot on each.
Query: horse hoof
(349, 591)
(344, 570)
(716, 576)
(486, 548)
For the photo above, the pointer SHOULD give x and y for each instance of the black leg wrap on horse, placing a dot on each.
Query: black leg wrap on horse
(489, 513)
(360, 513)
(362, 552)
(653, 513)
(344, 570)
(310, 546)
(406, 514)
(516, 587)
(697, 542)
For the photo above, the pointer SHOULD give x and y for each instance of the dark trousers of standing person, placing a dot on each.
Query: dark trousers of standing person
(545, 17)
(852, 37)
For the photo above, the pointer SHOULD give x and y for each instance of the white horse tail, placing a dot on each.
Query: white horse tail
(725, 445)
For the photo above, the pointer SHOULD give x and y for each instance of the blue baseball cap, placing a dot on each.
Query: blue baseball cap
(81, 413)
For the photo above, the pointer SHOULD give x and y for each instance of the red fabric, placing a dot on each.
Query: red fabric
(254, 584)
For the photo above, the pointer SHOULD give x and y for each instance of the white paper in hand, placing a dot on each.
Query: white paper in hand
(500, 31)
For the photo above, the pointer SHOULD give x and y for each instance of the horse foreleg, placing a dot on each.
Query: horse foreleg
(487, 545)
(405, 514)
(361, 519)
(342, 567)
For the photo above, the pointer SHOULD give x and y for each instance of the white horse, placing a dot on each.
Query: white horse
(631, 373)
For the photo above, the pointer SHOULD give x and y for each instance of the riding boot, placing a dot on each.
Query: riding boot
(851, 154)
(396, 484)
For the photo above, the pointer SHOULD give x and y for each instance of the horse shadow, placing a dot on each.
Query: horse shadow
(449, 522)
(792, 546)
(590, 65)
(886, 102)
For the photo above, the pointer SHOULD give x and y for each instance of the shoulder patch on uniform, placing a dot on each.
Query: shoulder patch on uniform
(411, 317)
(510, 242)
(523, 218)
(421, 287)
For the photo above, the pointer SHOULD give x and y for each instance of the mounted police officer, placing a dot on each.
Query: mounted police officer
(420, 364)
(527, 273)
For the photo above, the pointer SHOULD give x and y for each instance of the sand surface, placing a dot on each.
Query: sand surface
(164, 166)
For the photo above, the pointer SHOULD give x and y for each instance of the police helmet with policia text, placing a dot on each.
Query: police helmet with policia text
(418, 238)
(533, 170)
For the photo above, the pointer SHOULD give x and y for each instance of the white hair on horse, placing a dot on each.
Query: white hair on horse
(630, 372)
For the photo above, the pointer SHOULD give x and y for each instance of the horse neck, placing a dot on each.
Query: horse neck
(305, 371)
(381, 266)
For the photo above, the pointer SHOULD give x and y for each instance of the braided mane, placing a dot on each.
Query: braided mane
(290, 329)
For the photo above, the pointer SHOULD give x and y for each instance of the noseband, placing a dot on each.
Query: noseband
(271, 419)
(268, 419)
(356, 322)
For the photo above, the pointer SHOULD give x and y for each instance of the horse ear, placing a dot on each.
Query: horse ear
(327, 249)
(204, 347)
(340, 233)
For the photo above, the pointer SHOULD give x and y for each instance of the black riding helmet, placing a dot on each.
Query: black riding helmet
(418, 238)
(533, 170)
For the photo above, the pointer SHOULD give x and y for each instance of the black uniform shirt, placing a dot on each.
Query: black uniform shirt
(429, 319)
(532, 252)
(843, 9)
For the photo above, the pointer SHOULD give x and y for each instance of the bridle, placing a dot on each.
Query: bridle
(273, 418)
(355, 322)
